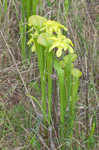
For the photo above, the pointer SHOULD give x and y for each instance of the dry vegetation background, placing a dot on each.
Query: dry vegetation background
(15, 77)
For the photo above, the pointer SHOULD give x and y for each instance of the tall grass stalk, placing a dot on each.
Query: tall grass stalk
(0, 10)
(66, 5)
(3, 8)
(5, 3)
(28, 8)
(35, 4)
(22, 30)
(84, 44)
(85, 51)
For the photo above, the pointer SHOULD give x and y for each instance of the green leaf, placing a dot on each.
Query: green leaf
(70, 49)
(73, 57)
(36, 20)
(76, 73)
(44, 40)
(69, 57)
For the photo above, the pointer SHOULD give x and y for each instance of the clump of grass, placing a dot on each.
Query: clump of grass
(28, 8)
(3, 9)
(66, 5)
(18, 123)
(71, 133)
(86, 49)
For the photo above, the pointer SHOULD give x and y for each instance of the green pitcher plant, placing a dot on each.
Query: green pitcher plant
(50, 44)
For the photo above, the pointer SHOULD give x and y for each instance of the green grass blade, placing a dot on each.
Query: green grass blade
(66, 5)
(34, 6)
(36, 101)
(22, 29)
(5, 6)
(28, 8)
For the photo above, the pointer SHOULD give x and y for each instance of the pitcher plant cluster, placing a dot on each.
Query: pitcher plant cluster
(55, 51)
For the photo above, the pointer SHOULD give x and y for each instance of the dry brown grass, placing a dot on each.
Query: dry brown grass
(15, 77)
